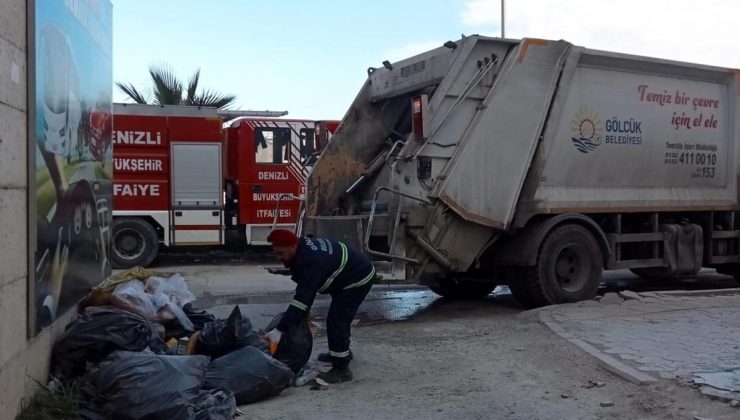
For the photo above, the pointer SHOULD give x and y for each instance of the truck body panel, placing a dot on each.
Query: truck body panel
(469, 156)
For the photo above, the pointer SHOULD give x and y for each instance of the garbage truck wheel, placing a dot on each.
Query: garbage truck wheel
(134, 243)
(455, 289)
(569, 268)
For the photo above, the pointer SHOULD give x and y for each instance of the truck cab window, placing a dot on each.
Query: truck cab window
(272, 145)
(308, 146)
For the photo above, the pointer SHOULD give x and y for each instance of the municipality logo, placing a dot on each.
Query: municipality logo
(586, 128)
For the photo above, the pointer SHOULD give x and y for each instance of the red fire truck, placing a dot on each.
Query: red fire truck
(185, 177)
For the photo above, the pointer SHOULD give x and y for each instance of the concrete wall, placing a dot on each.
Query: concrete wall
(22, 360)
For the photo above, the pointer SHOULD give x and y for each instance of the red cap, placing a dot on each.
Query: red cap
(282, 238)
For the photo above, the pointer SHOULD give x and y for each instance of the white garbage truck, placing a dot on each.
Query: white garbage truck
(534, 163)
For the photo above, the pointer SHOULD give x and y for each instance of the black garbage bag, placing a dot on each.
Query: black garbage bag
(250, 374)
(132, 386)
(221, 336)
(99, 331)
(295, 345)
(215, 404)
(198, 317)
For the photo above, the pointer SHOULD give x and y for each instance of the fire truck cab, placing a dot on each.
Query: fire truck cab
(183, 176)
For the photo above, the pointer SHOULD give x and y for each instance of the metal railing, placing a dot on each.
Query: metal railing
(393, 237)
(301, 210)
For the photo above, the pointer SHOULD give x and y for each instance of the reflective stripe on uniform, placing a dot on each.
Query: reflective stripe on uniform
(339, 353)
(338, 270)
(298, 305)
(363, 281)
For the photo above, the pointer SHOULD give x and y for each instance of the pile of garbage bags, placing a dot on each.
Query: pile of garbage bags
(140, 351)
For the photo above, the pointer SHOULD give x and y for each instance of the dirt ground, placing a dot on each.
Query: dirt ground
(482, 360)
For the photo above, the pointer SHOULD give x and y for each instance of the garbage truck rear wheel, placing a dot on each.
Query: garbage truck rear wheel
(460, 289)
(569, 268)
(134, 243)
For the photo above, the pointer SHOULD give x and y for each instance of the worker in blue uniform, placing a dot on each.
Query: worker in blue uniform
(329, 267)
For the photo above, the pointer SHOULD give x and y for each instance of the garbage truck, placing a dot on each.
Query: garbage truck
(537, 164)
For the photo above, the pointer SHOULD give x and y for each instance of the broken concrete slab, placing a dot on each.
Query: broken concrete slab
(717, 393)
(630, 295)
(725, 380)
(611, 299)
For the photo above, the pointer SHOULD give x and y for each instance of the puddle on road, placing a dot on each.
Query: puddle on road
(399, 305)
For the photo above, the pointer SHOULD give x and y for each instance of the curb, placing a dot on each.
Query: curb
(694, 293)
(605, 361)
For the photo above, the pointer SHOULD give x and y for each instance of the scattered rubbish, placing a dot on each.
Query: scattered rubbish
(132, 297)
(174, 287)
(593, 384)
(607, 403)
(221, 336)
(319, 384)
(144, 385)
(305, 376)
(198, 318)
(215, 405)
(295, 345)
(565, 396)
(250, 374)
(98, 332)
(117, 346)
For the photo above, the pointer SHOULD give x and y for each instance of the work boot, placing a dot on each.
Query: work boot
(337, 375)
(327, 358)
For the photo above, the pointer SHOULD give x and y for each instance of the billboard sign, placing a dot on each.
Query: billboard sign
(72, 165)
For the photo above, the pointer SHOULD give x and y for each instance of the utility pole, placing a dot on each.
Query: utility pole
(503, 18)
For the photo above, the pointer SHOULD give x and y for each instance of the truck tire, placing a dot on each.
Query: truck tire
(466, 290)
(134, 243)
(569, 269)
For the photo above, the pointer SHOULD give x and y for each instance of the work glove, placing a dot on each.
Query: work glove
(273, 337)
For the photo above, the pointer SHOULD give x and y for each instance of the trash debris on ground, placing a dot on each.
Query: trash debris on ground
(593, 384)
(295, 345)
(319, 384)
(98, 332)
(250, 374)
(607, 403)
(130, 296)
(142, 351)
(198, 318)
(134, 385)
(221, 336)
(305, 376)
(215, 405)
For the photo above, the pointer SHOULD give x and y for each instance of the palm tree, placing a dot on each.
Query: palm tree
(167, 89)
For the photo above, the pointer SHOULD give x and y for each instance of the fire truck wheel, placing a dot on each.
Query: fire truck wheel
(569, 268)
(135, 243)
(452, 289)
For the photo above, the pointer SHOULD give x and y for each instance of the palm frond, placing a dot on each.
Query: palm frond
(167, 88)
(213, 98)
(132, 92)
(192, 86)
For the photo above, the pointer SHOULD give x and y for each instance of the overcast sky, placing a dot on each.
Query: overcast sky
(310, 57)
